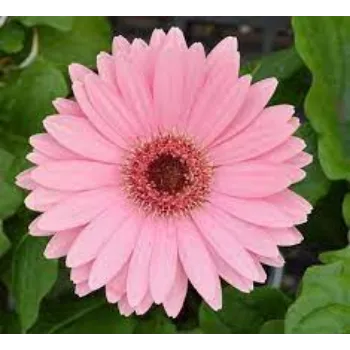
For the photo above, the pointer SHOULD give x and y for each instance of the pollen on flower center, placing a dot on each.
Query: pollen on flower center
(167, 175)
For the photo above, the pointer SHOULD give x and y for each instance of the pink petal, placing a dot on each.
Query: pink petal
(135, 92)
(156, 44)
(163, 262)
(286, 237)
(138, 276)
(113, 255)
(224, 243)
(60, 243)
(111, 296)
(255, 211)
(157, 38)
(25, 181)
(225, 111)
(120, 44)
(292, 204)
(230, 275)
(276, 262)
(124, 307)
(145, 305)
(301, 160)
(116, 288)
(268, 131)
(175, 37)
(48, 146)
(34, 230)
(96, 235)
(81, 273)
(140, 56)
(262, 276)
(253, 179)
(82, 289)
(106, 70)
(139, 44)
(216, 302)
(296, 201)
(175, 299)
(38, 158)
(92, 106)
(68, 107)
(168, 87)
(229, 62)
(42, 199)
(68, 129)
(289, 149)
(251, 237)
(258, 96)
(211, 95)
(75, 175)
(196, 261)
(77, 210)
(112, 110)
(77, 72)
(225, 48)
(295, 121)
(296, 174)
(193, 79)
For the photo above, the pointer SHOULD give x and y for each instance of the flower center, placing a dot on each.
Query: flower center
(167, 175)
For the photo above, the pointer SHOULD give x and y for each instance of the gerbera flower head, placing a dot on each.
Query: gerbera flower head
(166, 168)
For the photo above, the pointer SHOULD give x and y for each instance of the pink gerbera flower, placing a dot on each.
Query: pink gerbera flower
(166, 168)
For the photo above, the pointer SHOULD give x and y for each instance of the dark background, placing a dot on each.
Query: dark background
(256, 35)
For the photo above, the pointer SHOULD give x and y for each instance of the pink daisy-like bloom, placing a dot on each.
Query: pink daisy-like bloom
(166, 168)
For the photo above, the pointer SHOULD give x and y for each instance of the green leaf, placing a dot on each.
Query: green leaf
(63, 23)
(293, 89)
(346, 209)
(87, 315)
(244, 313)
(323, 43)
(6, 160)
(336, 255)
(33, 277)
(272, 327)
(11, 199)
(63, 285)
(12, 162)
(211, 323)
(324, 303)
(281, 65)
(15, 227)
(104, 320)
(288, 68)
(4, 241)
(89, 36)
(29, 98)
(11, 37)
(12, 155)
(315, 185)
(156, 323)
